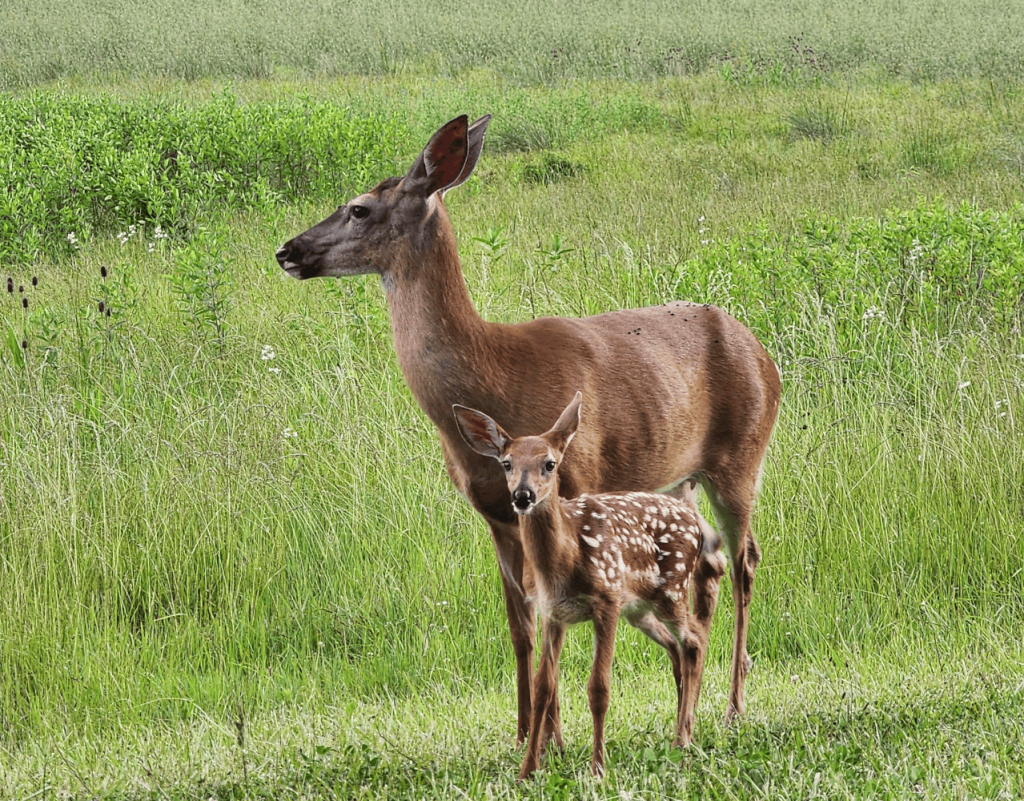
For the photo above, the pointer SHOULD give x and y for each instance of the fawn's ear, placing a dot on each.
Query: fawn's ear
(481, 433)
(564, 430)
(442, 161)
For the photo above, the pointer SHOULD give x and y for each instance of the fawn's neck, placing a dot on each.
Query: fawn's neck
(550, 539)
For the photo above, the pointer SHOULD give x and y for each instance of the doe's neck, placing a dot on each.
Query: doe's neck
(431, 310)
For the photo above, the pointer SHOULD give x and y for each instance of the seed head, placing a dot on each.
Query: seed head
(103, 272)
(108, 311)
(10, 285)
(24, 344)
(21, 287)
(35, 280)
(24, 303)
(102, 307)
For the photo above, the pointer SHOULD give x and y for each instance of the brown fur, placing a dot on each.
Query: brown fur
(678, 394)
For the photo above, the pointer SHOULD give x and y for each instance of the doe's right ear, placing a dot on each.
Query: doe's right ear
(481, 433)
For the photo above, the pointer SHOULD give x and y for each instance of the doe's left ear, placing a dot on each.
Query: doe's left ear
(568, 423)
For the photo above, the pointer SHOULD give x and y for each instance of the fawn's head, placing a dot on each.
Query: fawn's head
(382, 228)
(530, 463)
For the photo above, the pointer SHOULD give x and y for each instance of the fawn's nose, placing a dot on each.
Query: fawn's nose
(522, 499)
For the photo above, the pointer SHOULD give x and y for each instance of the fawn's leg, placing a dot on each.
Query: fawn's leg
(545, 696)
(656, 630)
(600, 680)
(522, 620)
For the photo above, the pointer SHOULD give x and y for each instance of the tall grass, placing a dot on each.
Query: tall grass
(538, 41)
(186, 523)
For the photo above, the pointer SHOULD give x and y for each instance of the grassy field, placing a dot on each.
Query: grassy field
(45, 40)
(231, 563)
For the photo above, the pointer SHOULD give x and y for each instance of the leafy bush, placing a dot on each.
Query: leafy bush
(913, 267)
(83, 166)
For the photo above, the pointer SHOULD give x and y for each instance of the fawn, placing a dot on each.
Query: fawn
(597, 557)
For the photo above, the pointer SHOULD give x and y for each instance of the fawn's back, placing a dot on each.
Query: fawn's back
(637, 549)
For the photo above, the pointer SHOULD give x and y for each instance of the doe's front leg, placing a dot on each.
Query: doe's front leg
(522, 620)
(543, 717)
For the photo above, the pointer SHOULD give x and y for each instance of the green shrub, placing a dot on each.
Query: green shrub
(87, 166)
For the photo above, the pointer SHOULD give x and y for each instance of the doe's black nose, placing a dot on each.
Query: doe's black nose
(282, 253)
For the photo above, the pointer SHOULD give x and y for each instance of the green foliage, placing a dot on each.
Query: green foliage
(204, 283)
(534, 41)
(551, 167)
(823, 123)
(914, 268)
(74, 167)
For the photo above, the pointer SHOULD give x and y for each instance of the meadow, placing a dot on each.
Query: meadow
(231, 562)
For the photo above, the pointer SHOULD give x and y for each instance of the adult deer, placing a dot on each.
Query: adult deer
(599, 557)
(678, 394)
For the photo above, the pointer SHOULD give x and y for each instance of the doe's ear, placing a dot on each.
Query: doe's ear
(475, 137)
(481, 433)
(568, 423)
(443, 159)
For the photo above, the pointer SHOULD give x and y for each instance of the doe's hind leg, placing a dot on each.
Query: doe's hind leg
(692, 630)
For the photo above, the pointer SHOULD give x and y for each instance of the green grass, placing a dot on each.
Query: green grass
(195, 538)
(539, 42)
(920, 724)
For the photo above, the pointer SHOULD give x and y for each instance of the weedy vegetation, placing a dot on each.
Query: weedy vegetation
(231, 563)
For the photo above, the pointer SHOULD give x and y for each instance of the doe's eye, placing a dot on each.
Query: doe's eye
(360, 212)
(550, 465)
(507, 465)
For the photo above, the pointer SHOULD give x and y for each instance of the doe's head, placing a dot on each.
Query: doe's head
(380, 230)
(530, 463)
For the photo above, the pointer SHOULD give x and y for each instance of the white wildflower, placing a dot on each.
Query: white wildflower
(274, 370)
(289, 433)
(267, 353)
(963, 385)
(916, 251)
(73, 240)
(873, 313)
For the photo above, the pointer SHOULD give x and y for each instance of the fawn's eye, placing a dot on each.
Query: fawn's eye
(507, 465)
(360, 212)
(550, 465)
